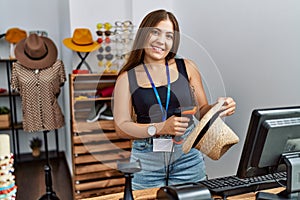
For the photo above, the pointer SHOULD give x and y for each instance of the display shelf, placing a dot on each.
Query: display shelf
(27, 157)
(11, 94)
(17, 125)
(96, 147)
(6, 94)
(89, 127)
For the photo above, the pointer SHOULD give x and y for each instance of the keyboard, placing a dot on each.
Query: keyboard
(232, 185)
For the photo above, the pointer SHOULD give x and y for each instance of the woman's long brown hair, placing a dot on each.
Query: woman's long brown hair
(136, 55)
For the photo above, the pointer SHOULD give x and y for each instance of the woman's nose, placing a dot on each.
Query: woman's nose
(161, 38)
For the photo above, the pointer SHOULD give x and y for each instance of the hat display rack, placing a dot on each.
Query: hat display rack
(42, 33)
(83, 44)
(116, 41)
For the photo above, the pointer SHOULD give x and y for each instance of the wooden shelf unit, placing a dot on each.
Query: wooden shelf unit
(96, 148)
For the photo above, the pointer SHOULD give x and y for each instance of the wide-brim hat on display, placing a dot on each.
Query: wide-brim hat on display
(81, 41)
(211, 135)
(36, 52)
(14, 35)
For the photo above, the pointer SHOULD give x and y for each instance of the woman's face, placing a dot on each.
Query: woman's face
(160, 41)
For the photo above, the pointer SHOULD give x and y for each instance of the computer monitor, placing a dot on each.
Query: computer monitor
(272, 144)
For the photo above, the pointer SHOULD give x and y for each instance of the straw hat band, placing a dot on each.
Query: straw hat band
(81, 42)
(36, 52)
(205, 129)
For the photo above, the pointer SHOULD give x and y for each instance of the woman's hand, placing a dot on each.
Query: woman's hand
(174, 126)
(228, 107)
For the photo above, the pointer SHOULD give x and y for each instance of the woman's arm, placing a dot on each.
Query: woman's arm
(122, 111)
(199, 94)
(197, 88)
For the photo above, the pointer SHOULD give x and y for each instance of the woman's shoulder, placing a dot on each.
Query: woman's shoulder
(122, 82)
(187, 62)
(122, 76)
(190, 66)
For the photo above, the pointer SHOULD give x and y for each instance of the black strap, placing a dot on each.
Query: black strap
(181, 67)
(205, 128)
(133, 85)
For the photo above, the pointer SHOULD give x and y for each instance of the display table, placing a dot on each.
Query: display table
(150, 194)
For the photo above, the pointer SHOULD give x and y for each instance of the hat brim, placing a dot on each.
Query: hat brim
(211, 135)
(45, 62)
(80, 48)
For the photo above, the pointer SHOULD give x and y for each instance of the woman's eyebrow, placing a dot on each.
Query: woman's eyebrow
(161, 30)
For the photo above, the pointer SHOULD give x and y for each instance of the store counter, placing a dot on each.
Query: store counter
(150, 194)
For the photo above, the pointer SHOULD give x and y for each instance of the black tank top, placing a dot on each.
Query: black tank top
(145, 103)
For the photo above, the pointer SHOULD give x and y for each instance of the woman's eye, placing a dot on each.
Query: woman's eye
(170, 37)
(155, 32)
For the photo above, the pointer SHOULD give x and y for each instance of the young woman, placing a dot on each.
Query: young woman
(150, 88)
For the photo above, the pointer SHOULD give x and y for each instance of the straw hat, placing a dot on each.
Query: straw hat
(211, 135)
(82, 41)
(36, 52)
(14, 35)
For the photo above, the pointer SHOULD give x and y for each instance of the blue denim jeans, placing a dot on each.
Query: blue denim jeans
(183, 168)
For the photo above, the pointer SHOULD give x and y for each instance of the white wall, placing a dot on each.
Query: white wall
(255, 46)
(245, 49)
(141, 8)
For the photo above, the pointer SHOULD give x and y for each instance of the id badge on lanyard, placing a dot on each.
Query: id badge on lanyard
(161, 144)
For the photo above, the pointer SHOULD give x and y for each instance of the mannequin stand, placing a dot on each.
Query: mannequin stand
(50, 194)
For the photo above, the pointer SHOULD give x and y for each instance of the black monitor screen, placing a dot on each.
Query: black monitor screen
(271, 132)
(277, 136)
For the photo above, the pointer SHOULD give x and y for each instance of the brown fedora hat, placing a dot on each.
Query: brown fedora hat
(211, 135)
(36, 52)
(14, 35)
(82, 41)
